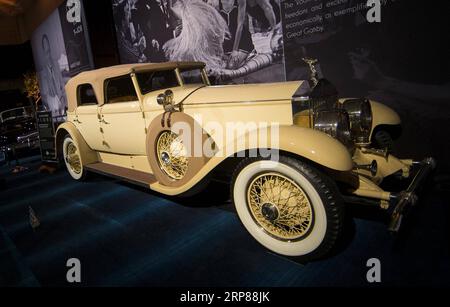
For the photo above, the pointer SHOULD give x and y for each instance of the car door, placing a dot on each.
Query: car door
(87, 117)
(122, 119)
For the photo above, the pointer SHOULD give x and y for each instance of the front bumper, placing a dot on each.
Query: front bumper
(366, 189)
(408, 198)
(24, 143)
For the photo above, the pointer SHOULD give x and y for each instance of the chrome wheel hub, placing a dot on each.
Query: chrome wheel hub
(165, 158)
(270, 212)
(72, 159)
(172, 155)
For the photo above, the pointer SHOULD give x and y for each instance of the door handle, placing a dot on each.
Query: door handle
(76, 120)
(101, 119)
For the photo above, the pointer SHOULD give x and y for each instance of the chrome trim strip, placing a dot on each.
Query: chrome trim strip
(249, 101)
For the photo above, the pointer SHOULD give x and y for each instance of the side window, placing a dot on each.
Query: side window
(120, 89)
(158, 80)
(86, 95)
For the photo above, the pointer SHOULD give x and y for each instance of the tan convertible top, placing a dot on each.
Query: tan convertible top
(97, 77)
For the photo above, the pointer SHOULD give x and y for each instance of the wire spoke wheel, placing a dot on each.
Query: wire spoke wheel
(73, 159)
(279, 206)
(172, 155)
(288, 206)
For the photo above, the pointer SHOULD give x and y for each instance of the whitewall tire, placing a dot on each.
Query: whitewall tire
(288, 206)
(72, 159)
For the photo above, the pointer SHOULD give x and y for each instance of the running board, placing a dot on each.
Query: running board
(130, 175)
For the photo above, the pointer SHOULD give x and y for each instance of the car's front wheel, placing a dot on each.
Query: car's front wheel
(72, 159)
(288, 206)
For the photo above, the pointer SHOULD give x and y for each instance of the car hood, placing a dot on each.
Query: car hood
(241, 93)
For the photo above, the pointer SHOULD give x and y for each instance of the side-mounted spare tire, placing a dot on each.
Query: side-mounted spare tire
(173, 156)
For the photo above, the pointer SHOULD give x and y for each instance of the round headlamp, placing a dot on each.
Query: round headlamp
(366, 115)
(334, 123)
(360, 115)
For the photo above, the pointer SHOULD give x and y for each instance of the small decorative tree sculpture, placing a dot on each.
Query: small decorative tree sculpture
(31, 83)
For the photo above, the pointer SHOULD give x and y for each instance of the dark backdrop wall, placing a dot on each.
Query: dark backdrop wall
(12, 68)
(402, 61)
(102, 34)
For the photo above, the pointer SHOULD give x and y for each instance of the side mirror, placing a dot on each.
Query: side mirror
(169, 96)
(165, 98)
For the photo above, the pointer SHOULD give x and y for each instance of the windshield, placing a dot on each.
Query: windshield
(150, 81)
(14, 114)
(192, 76)
(156, 80)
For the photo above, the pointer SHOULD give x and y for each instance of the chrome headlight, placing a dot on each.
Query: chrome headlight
(366, 115)
(334, 123)
(360, 115)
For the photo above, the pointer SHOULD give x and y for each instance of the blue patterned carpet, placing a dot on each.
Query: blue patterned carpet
(128, 236)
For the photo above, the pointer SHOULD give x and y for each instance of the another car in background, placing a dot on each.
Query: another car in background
(18, 132)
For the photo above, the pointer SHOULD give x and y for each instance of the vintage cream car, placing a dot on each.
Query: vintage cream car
(294, 154)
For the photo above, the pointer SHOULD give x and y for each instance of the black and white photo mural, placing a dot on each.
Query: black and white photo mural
(240, 41)
(51, 63)
(60, 50)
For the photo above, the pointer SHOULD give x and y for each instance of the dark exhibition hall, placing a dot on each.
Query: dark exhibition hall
(224, 149)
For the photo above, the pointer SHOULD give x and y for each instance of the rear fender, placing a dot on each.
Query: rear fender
(87, 155)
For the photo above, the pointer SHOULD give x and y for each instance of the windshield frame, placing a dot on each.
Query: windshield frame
(23, 115)
(152, 72)
(204, 75)
(178, 74)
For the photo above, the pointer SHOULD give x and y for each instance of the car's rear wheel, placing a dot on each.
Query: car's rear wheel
(288, 206)
(72, 159)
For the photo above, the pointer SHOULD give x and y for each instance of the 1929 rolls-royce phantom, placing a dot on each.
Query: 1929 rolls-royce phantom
(295, 152)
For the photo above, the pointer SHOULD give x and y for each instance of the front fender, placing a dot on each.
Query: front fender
(87, 155)
(305, 142)
(315, 146)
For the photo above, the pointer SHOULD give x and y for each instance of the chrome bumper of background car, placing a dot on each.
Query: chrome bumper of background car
(29, 141)
(408, 197)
